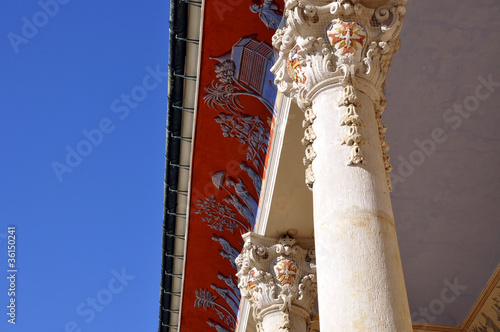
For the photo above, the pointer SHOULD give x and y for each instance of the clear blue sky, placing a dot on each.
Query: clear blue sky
(84, 219)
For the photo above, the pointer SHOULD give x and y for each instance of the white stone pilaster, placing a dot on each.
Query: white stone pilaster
(278, 276)
(333, 59)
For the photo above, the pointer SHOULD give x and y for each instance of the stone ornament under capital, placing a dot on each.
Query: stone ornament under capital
(278, 276)
(345, 43)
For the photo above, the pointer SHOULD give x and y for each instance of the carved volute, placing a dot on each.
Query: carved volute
(345, 42)
(278, 276)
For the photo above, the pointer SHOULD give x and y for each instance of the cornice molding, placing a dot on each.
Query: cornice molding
(487, 292)
(434, 328)
(478, 307)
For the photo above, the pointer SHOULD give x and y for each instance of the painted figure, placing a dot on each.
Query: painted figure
(256, 179)
(268, 13)
(242, 192)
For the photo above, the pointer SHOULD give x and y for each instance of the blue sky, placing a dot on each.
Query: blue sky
(86, 79)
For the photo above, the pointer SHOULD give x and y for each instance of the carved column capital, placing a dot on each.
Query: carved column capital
(278, 276)
(323, 44)
(344, 43)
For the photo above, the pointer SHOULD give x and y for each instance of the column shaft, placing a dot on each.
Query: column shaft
(360, 278)
(333, 59)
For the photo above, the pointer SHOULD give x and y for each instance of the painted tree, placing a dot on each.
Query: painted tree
(219, 216)
(248, 130)
(205, 300)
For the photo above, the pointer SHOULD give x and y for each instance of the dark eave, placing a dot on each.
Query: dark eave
(177, 54)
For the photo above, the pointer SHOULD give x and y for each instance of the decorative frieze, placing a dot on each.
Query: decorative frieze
(278, 276)
(342, 43)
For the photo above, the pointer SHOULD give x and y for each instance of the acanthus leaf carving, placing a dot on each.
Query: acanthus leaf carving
(344, 43)
(278, 276)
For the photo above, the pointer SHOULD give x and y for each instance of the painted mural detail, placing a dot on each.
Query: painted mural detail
(269, 14)
(229, 281)
(231, 295)
(228, 296)
(228, 251)
(247, 130)
(219, 216)
(489, 322)
(242, 192)
(241, 73)
(244, 71)
(254, 176)
(217, 326)
(244, 203)
(206, 300)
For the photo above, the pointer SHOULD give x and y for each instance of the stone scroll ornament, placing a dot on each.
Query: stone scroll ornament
(340, 43)
(278, 276)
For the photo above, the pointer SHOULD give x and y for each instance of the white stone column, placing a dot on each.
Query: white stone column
(334, 59)
(278, 276)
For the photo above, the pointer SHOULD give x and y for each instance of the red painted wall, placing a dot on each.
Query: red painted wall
(232, 134)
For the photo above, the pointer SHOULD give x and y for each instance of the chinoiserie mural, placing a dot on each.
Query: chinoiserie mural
(233, 130)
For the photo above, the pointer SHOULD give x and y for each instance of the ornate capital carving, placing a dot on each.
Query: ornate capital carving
(329, 43)
(344, 42)
(279, 278)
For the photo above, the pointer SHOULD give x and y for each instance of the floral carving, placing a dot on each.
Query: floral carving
(277, 275)
(354, 51)
(352, 120)
(310, 177)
